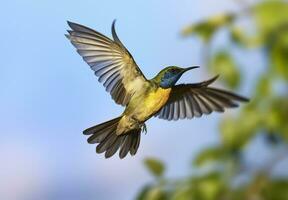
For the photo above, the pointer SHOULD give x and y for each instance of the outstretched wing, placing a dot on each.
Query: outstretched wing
(110, 61)
(194, 100)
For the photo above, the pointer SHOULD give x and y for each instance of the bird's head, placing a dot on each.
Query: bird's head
(168, 76)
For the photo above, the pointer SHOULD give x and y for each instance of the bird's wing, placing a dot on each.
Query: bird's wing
(110, 61)
(194, 100)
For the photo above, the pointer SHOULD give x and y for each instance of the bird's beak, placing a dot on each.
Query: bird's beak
(189, 68)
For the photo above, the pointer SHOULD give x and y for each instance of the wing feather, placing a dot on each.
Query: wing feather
(194, 100)
(110, 60)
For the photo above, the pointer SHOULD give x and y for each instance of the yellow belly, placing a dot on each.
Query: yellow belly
(150, 103)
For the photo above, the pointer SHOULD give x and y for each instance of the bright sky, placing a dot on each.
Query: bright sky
(49, 95)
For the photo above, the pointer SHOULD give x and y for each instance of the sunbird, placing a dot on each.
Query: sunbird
(142, 97)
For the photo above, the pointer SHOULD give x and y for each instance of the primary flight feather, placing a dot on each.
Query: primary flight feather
(115, 67)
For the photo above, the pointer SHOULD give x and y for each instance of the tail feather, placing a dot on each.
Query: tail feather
(106, 143)
(110, 142)
(99, 127)
(101, 135)
(135, 143)
(125, 147)
(113, 148)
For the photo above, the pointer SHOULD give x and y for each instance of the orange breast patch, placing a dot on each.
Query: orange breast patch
(153, 102)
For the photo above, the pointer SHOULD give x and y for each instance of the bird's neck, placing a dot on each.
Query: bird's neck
(166, 82)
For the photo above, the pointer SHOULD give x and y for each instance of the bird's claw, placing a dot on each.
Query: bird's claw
(144, 128)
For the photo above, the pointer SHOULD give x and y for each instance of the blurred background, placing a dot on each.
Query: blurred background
(49, 96)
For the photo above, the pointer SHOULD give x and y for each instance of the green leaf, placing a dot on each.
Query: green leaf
(223, 63)
(207, 28)
(234, 137)
(276, 120)
(263, 88)
(229, 133)
(156, 193)
(279, 52)
(213, 154)
(239, 37)
(142, 195)
(269, 15)
(156, 167)
(208, 187)
(183, 193)
(276, 190)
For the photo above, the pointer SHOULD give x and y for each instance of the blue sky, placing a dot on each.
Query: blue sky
(49, 95)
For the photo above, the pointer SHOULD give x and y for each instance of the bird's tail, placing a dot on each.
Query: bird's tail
(109, 142)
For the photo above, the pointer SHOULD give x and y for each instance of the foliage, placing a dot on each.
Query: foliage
(223, 62)
(207, 28)
(266, 115)
(155, 166)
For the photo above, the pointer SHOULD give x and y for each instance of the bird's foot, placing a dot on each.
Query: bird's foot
(144, 128)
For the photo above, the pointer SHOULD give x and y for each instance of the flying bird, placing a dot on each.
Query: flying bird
(143, 98)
